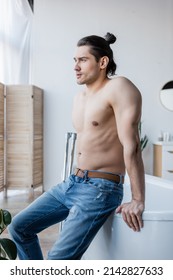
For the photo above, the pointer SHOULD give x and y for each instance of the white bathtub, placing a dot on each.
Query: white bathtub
(154, 242)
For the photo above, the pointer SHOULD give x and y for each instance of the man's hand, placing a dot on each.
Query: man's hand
(132, 214)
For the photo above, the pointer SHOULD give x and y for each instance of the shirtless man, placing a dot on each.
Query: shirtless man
(106, 116)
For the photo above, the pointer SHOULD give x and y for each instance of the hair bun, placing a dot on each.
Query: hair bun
(110, 38)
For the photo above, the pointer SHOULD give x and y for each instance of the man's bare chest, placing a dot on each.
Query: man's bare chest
(91, 113)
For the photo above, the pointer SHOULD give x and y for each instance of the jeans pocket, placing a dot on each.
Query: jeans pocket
(106, 193)
(101, 188)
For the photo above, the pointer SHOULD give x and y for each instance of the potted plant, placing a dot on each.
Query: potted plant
(8, 250)
(143, 140)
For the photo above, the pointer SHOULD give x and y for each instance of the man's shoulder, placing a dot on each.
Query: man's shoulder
(122, 90)
(119, 81)
(116, 85)
(122, 84)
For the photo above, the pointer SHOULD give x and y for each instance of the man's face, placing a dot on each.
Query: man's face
(86, 67)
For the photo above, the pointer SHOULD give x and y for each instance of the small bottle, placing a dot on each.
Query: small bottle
(166, 136)
(160, 137)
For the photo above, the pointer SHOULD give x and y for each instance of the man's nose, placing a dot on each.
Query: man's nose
(76, 67)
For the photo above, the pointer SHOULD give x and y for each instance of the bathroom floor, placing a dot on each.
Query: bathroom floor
(18, 200)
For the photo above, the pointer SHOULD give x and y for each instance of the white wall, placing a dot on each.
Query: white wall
(143, 52)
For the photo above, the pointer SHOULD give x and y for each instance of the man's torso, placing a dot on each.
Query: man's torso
(98, 145)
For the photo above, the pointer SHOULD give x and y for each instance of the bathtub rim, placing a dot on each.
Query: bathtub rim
(153, 216)
(160, 182)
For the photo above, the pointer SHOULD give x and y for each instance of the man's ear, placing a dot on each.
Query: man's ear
(104, 62)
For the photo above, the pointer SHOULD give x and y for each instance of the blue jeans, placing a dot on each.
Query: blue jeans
(83, 203)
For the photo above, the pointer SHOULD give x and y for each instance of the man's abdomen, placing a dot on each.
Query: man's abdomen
(98, 153)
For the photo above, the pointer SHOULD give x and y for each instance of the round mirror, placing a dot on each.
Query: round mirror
(166, 96)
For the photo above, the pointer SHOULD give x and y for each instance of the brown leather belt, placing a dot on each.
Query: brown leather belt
(97, 174)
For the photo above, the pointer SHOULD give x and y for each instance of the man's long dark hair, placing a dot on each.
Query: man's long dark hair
(100, 47)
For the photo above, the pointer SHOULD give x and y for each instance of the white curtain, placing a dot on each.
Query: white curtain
(15, 41)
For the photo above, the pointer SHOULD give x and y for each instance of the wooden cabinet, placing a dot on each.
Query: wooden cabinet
(163, 160)
(1, 136)
(21, 136)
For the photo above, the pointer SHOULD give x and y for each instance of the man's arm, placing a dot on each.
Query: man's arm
(127, 108)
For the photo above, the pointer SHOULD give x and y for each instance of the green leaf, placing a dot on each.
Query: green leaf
(9, 248)
(7, 217)
(2, 225)
(143, 140)
(2, 253)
